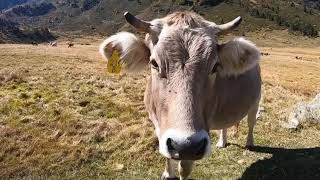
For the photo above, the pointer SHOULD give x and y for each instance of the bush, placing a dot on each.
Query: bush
(296, 24)
(88, 4)
(33, 10)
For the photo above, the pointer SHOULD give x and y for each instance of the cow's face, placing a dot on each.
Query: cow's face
(182, 62)
(184, 57)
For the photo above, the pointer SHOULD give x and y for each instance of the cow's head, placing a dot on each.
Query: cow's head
(184, 58)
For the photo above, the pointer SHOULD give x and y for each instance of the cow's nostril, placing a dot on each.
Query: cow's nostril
(171, 144)
(201, 147)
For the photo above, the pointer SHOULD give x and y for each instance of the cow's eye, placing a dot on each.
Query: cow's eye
(154, 64)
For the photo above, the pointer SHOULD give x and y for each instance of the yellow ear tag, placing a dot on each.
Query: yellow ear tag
(114, 63)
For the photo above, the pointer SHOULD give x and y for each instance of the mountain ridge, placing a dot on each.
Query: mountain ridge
(104, 17)
(5, 4)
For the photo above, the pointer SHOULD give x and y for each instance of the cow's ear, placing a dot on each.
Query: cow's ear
(237, 56)
(134, 54)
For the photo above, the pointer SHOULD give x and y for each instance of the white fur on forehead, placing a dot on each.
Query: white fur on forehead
(238, 56)
(134, 53)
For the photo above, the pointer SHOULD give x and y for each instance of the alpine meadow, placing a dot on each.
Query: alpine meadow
(65, 114)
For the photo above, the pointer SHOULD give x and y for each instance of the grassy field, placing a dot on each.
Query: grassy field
(63, 117)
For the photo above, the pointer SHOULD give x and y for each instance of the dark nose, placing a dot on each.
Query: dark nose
(188, 150)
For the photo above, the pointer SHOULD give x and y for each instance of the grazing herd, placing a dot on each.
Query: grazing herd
(268, 54)
(55, 44)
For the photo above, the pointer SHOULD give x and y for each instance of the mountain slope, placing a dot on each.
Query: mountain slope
(315, 4)
(106, 16)
(88, 16)
(5, 4)
(11, 33)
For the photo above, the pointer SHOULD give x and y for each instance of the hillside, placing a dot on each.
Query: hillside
(10, 32)
(5, 4)
(315, 4)
(76, 16)
(94, 17)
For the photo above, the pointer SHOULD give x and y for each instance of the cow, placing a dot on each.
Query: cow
(196, 84)
(53, 44)
(33, 43)
(70, 44)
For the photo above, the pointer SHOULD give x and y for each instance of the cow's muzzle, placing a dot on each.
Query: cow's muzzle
(179, 145)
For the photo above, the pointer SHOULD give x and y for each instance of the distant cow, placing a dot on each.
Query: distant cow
(87, 44)
(70, 44)
(34, 43)
(299, 57)
(264, 54)
(196, 84)
(53, 44)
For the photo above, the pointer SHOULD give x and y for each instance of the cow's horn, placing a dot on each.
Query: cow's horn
(229, 26)
(137, 23)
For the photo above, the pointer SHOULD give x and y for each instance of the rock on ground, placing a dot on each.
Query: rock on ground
(304, 112)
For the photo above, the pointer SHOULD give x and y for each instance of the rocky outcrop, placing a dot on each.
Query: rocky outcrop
(304, 112)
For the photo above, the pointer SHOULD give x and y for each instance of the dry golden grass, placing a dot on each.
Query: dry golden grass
(296, 69)
(63, 117)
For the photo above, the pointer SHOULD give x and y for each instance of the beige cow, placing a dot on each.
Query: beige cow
(196, 84)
